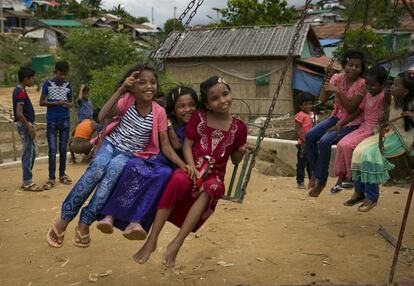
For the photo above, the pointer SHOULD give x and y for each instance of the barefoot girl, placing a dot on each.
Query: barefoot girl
(370, 167)
(372, 107)
(212, 131)
(133, 204)
(138, 125)
(349, 89)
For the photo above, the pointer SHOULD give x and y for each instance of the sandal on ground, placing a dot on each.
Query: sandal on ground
(352, 202)
(105, 226)
(366, 206)
(135, 233)
(48, 185)
(53, 233)
(80, 240)
(32, 188)
(336, 189)
(65, 180)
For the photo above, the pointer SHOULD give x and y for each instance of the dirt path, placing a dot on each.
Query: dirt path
(277, 236)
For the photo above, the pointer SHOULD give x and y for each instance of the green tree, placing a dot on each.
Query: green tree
(95, 4)
(172, 24)
(255, 12)
(88, 50)
(119, 11)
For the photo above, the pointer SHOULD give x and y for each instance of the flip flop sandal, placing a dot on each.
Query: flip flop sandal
(32, 188)
(79, 239)
(352, 202)
(336, 189)
(347, 185)
(60, 237)
(65, 180)
(366, 206)
(48, 185)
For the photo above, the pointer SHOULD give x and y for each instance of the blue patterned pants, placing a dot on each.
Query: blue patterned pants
(102, 173)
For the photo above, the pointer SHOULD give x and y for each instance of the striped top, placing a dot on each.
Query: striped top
(133, 131)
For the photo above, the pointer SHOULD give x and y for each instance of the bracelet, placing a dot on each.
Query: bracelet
(169, 124)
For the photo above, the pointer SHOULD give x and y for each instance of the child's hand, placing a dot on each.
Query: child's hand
(409, 114)
(246, 147)
(32, 133)
(331, 88)
(191, 172)
(130, 81)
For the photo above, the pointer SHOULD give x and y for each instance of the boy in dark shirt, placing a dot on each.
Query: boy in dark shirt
(57, 97)
(24, 116)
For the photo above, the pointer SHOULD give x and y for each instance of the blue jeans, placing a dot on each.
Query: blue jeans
(55, 129)
(302, 163)
(318, 146)
(371, 191)
(102, 173)
(28, 153)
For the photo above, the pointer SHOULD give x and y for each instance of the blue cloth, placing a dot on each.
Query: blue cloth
(85, 110)
(371, 191)
(139, 189)
(56, 90)
(104, 170)
(307, 82)
(301, 164)
(28, 153)
(318, 146)
(20, 96)
(54, 129)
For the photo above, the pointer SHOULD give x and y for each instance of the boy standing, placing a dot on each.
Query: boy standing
(24, 116)
(303, 122)
(57, 97)
(85, 109)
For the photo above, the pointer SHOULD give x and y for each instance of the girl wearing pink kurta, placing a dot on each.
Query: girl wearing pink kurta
(372, 107)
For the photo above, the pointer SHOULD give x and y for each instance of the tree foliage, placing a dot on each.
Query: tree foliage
(120, 11)
(94, 4)
(172, 24)
(255, 12)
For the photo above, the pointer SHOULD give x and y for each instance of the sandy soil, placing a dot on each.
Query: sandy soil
(6, 99)
(277, 236)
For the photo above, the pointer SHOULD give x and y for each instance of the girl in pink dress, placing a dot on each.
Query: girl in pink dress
(372, 107)
(212, 134)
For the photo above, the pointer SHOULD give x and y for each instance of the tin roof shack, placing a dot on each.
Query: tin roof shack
(49, 36)
(250, 59)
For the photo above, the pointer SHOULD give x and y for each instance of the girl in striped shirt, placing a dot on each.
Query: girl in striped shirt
(138, 125)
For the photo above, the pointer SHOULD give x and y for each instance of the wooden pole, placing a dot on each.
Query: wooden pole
(401, 234)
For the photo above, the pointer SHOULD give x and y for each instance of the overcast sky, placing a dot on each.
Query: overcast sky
(164, 9)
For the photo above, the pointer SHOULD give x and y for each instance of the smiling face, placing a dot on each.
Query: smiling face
(184, 108)
(219, 99)
(353, 69)
(306, 106)
(146, 86)
(372, 85)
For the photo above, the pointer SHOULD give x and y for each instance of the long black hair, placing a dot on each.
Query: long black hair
(176, 93)
(206, 85)
(354, 54)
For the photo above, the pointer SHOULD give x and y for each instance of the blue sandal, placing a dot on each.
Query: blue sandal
(336, 189)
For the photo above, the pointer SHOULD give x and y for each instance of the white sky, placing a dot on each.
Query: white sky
(164, 9)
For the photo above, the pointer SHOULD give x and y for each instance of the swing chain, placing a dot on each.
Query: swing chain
(178, 36)
(393, 28)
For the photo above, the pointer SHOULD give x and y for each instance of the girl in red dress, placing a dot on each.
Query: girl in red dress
(212, 134)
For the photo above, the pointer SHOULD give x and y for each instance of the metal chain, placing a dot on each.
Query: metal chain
(177, 37)
(393, 28)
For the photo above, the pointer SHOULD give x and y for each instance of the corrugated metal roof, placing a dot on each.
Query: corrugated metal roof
(235, 42)
(61, 23)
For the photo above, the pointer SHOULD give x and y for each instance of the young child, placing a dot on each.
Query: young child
(132, 205)
(57, 97)
(24, 116)
(303, 123)
(370, 167)
(138, 126)
(372, 108)
(349, 89)
(85, 109)
(80, 142)
(212, 132)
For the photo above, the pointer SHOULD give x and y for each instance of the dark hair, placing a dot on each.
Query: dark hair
(304, 96)
(25, 72)
(95, 114)
(62, 66)
(379, 73)
(175, 93)
(206, 85)
(138, 67)
(85, 88)
(354, 54)
(407, 79)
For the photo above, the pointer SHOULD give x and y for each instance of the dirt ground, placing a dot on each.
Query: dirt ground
(278, 236)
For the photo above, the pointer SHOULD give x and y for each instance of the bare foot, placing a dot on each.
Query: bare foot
(106, 225)
(316, 190)
(144, 253)
(134, 231)
(312, 182)
(171, 254)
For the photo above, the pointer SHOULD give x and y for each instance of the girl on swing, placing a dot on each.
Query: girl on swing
(213, 132)
(349, 89)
